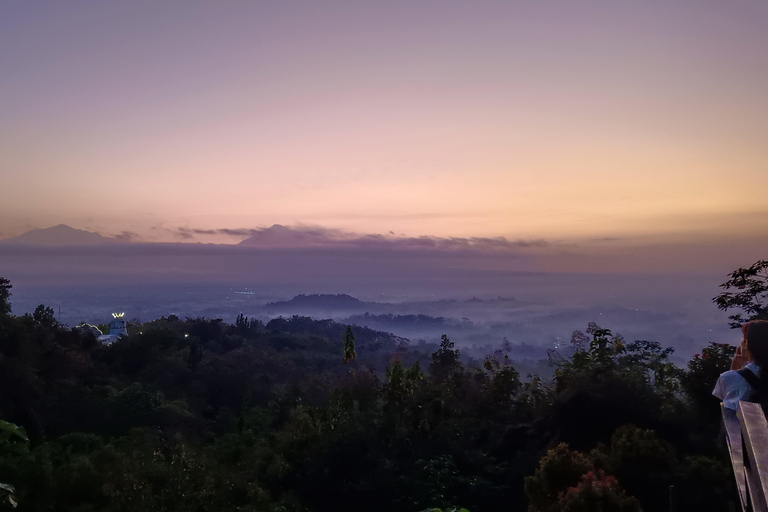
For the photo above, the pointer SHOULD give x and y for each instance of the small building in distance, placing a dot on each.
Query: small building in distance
(117, 328)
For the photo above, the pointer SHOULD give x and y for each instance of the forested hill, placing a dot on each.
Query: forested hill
(403, 321)
(324, 302)
(370, 340)
(202, 414)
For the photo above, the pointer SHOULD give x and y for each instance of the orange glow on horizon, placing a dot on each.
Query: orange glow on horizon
(522, 121)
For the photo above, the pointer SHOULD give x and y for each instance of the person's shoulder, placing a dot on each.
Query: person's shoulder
(731, 377)
(730, 388)
(731, 381)
(732, 374)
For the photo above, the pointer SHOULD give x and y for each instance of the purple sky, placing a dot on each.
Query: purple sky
(559, 121)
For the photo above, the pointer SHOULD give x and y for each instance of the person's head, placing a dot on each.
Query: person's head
(756, 334)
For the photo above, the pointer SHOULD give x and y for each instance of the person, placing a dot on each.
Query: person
(752, 355)
(742, 355)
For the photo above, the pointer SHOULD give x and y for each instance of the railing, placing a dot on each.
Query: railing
(746, 431)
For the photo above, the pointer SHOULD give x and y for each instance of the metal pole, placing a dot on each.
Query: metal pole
(672, 499)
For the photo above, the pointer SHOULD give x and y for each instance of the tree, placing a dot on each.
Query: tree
(194, 356)
(349, 345)
(568, 480)
(13, 441)
(5, 293)
(703, 371)
(401, 382)
(643, 463)
(241, 323)
(653, 360)
(445, 360)
(588, 364)
(45, 316)
(559, 470)
(752, 294)
(597, 491)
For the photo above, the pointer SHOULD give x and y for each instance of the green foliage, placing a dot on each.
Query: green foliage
(445, 361)
(401, 382)
(348, 346)
(8, 494)
(570, 480)
(45, 316)
(593, 357)
(245, 326)
(643, 463)
(701, 483)
(596, 381)
(504, 383)
(597, 491)
(652, 360)
(750, 295)
(13, 441)
(559, 470)
(5, 294)
(194, 356)
(703, 371)
(440, 481)
(199, 414)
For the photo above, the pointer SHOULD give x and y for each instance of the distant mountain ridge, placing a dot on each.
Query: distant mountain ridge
(320, 301)
(60, 235)
(344, 305)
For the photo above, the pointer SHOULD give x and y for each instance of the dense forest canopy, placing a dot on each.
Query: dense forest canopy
(305, 415)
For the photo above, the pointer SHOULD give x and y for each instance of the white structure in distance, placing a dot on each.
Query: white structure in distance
(117, 328)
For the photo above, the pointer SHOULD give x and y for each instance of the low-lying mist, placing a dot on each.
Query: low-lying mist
(415, 294)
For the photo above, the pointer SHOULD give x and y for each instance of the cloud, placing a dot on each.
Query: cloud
(127, 236)
(191, 232)
(302, 236)
(183, 234)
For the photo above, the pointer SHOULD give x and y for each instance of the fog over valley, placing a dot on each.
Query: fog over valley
(417, 294)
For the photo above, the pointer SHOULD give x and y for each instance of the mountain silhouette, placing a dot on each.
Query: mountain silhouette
(320, 301)
(58, 236)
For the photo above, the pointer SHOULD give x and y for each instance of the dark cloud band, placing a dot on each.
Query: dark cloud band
(313, 236)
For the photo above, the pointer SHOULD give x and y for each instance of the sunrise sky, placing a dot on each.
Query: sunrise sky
(527, 120)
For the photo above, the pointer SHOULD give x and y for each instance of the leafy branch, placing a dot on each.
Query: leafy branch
(750, 294)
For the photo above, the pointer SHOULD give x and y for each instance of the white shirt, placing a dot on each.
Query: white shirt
(732, 388)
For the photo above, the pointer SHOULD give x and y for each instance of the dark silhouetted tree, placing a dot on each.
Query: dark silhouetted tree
(45, 316)
(349, 345)
(13, 442)
(703, 371)
(445, 360)
(750, 294)
(194, 356)
(558, 470)
(5, 294)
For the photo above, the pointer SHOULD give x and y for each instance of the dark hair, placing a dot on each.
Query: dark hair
(756, 334)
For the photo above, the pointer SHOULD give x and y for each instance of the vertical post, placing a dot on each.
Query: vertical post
(754, 435)
(672, 499)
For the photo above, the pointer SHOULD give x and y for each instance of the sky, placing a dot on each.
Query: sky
(560, 121)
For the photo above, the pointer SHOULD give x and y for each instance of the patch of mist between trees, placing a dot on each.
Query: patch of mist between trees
(545, 325)
(674, 310)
